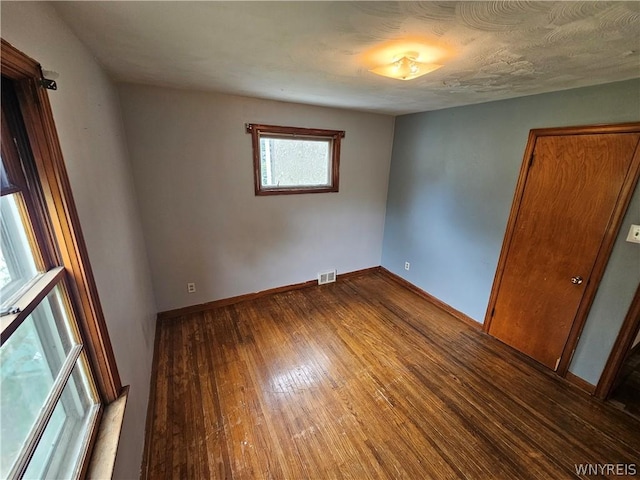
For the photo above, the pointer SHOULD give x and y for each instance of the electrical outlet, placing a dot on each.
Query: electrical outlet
(634, 234)
(407, 265)
(191, 287)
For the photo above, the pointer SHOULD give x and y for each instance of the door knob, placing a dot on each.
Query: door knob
(576, 280)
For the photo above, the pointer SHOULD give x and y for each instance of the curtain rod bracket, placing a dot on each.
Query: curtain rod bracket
(48, 84)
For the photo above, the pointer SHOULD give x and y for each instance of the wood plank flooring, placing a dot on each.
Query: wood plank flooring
(365, 379)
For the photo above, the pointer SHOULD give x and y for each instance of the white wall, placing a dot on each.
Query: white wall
(88, 120)
(193, 168)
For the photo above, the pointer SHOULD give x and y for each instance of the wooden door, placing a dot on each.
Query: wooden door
(570, 196)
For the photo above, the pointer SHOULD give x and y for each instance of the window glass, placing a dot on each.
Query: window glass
(295, 162)
(31, 360)
(61, 446)
(17, 264)
(4, 178)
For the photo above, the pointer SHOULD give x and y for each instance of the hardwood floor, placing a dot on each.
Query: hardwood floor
(365, 379)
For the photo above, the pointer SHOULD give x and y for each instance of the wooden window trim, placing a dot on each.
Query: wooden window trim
(256, 130)
(45, 145)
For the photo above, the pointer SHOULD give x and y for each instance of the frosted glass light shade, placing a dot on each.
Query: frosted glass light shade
(405, 68)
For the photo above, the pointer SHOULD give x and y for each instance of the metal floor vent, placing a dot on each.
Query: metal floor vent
(326, 277)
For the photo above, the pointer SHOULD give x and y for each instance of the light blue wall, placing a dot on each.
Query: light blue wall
(452, 180)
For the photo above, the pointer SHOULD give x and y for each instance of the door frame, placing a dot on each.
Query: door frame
(624, 341)
(609, 237)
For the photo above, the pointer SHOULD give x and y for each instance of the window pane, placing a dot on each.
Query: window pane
(4, 178)
(17, 265)
(62, 442)
(29, 363)
(287, 162)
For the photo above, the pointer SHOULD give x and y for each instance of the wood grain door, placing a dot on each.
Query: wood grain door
(572, 187)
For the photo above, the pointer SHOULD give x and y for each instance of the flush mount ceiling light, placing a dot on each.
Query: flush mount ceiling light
(405, 67)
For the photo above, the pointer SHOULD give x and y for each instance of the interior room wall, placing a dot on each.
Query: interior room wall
(193, 168)
(88, 120)
(452, 179)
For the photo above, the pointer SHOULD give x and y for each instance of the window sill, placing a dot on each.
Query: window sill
(103, 458)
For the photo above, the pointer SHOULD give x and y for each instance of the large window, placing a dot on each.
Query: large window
(295, 160)
(56, 364)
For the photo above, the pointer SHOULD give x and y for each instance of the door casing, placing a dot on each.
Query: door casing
(620, 350)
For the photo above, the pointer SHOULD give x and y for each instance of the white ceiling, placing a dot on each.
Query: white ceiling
(320, 52)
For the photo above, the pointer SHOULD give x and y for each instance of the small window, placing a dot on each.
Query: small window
(295, 160)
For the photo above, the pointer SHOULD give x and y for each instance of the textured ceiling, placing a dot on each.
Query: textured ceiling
(321, 52)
